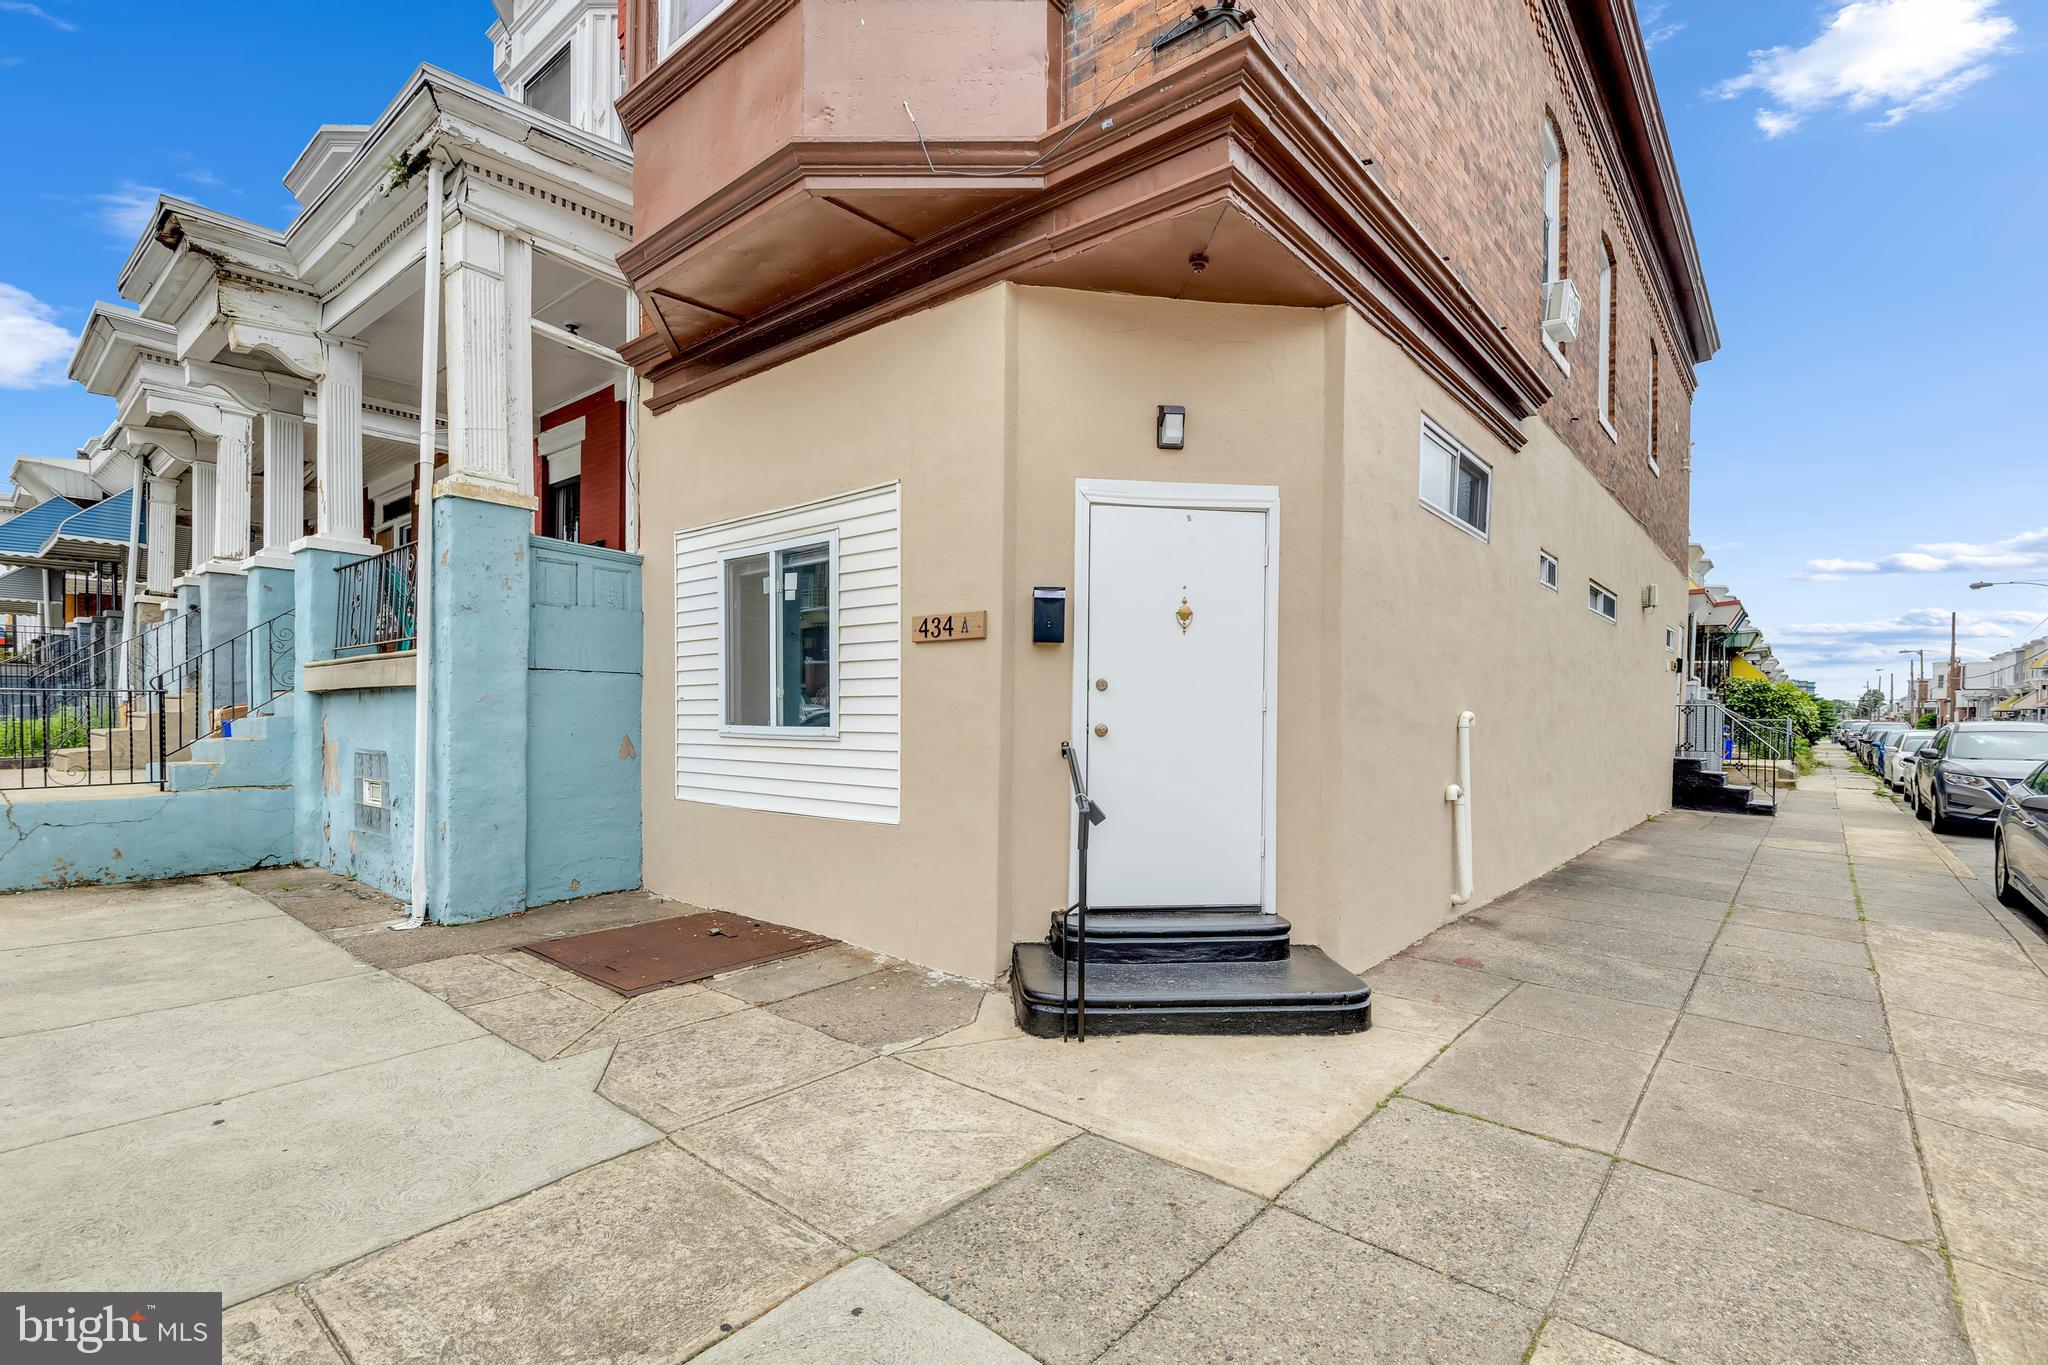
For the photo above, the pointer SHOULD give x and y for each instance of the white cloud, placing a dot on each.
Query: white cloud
(1656, 28)
(33, 348)
(1824, 644)
(1899, 57)
(126, 210)
(22, 7)
(2025, 552)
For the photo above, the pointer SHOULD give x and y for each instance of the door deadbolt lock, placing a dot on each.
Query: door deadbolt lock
(1102, 684)
(1101, 730)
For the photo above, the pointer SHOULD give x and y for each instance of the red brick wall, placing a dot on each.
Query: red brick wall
(1448, 98)
(604, 466)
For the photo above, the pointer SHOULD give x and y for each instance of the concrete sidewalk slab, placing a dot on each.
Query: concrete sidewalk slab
(865, 1314)
(1692, 1273)
(74, 983)
(1561, 1087)
(870, 1153)
(1067, 1254)
(77, 914)
(1287, 1289)
(1253, 1112)
(691, 1074)
(638, 1261)
(1820, 1154)
(270, 1187)
(114, 1071)
(1495, 1208)
(277, 1329)
(1855, 1073)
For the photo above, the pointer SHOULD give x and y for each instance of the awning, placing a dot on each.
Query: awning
(21, 592)
(96, 535)
(23, 538)
(1739, 667)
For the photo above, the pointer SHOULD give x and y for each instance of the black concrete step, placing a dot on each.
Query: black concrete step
(1229, 934)
(1303, 992)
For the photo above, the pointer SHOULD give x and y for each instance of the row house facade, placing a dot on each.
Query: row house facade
(1272, 407)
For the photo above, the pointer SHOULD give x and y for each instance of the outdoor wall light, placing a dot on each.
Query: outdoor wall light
(1173, 427)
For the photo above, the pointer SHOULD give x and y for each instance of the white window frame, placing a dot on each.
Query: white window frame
(1553, 226)
(670, 40)
(1546, 570)
(1458, 450)
(1595, 586)
(1671, 639)
(1605, 401)
(1650, 437)
(774, 549)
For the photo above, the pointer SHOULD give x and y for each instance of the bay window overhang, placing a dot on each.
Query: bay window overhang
(783, 198)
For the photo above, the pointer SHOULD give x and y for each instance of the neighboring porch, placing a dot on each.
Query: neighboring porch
(438, 365)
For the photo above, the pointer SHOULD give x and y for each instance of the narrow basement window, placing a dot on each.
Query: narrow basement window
(1546, 569)
(1600, 601)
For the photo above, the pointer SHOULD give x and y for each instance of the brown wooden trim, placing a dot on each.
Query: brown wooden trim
(1269, 154)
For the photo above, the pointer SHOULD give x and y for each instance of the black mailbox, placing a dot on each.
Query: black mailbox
(1048, 616)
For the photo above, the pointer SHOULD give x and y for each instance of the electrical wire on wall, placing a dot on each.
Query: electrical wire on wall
(1042, 157)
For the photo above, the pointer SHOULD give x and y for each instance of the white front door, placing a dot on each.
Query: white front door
(1175, 728)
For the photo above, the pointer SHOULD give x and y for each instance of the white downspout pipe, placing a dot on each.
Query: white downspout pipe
(128, 589)
(1459, 794)
(423, 549)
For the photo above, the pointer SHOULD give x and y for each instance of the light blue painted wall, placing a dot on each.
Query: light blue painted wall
(370, 720)
(63, 842)
(477, 655)
(583, 749)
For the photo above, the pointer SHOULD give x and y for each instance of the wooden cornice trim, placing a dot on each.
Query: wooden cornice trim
(728, 32)
(1289, 171)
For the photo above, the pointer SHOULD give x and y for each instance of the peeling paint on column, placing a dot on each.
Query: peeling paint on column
(626, 749)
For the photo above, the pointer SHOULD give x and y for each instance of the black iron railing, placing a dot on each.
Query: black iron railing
(1744, 749)
(1074, 926)
(375, 607)
(61, 737)
(243, 676)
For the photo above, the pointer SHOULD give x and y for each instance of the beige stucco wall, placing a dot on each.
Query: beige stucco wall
(987, 410)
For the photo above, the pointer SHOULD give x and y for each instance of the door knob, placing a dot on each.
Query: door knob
(1101, 730)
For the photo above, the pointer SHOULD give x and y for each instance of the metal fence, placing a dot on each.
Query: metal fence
(1746, 749)
(374, 606)
(52, 737)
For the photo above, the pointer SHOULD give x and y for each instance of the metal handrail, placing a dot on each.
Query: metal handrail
(240, 676)
(1090, 815)
(376, 602)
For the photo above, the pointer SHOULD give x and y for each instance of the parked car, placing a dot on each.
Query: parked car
(1898, 757)
(1880, 741)
(1863, 739)
(1851, 729)
(2019, 844)
(1962, 775)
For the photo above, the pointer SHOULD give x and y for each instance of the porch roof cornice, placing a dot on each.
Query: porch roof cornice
(113, 343)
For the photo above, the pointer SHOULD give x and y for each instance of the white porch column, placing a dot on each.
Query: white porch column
(234, 464)
(202, 514)
(284, 475)
(338, 453)
(162, 536)
(488, 290)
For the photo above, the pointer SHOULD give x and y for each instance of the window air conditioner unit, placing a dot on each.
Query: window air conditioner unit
(1652, 597)
(1561, 311)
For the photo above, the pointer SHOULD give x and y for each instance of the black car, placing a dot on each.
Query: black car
(1962, 776)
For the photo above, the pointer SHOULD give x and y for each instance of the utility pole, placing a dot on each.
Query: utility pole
(1951, 667)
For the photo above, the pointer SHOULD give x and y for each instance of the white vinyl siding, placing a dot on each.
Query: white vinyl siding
(855, 774)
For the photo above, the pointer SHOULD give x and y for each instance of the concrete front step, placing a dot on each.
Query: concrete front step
(257, 754)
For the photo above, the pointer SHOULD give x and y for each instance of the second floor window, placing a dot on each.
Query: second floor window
(548, 88)
(1651, 449)
(1553, 205)
(1605, 377)
(679, 18)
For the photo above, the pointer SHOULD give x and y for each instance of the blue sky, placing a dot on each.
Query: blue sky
(1867, 182)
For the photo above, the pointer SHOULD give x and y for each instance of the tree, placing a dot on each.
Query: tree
(1765, 700)
(1830, 713)
(1867, 705)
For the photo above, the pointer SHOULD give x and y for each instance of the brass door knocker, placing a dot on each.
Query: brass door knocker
(1184, 615)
